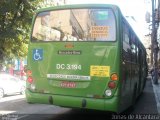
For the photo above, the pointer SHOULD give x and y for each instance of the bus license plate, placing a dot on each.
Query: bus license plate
(67, 84)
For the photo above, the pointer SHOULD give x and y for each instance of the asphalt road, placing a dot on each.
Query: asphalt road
(17, 108)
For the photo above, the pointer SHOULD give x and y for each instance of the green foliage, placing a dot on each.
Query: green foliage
(15, 22)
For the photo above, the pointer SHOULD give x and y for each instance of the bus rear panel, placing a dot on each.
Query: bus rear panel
(74, 58)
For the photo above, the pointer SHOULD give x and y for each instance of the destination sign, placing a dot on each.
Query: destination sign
(99, 31)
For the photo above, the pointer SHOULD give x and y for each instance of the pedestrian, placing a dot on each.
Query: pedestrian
(152, 72)
(11, 70)
(158, 72)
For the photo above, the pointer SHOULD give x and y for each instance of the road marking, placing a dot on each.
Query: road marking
(23, 116)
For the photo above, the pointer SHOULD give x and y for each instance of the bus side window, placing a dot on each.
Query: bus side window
(134, 49)
(126, 44)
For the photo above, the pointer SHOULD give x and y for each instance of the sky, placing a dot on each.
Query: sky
(134, 8)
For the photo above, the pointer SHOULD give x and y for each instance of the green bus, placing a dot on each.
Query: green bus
(85, 56)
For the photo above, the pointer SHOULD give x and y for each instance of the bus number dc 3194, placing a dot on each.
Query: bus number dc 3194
(68, 66)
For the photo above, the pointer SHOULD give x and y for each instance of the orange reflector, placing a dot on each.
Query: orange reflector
(69, 45)
(29, 72)
(111, 85)
(114, 76)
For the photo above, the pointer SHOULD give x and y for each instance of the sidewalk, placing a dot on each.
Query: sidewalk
(156, 89)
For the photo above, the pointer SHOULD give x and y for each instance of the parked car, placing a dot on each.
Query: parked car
(11, 85)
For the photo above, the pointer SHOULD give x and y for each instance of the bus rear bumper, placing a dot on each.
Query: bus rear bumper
(73, 102)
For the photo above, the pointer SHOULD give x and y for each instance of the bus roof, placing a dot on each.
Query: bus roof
(74, 6)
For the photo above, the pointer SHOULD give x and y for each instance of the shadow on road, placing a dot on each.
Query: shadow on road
(81, 114)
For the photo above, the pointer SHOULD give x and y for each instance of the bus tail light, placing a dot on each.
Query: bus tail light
(111, 84)
(30, 79)
(108, 92)
(33, 87)
(29, 72)
(114, 77)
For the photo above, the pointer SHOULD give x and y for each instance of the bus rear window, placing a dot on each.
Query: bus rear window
(75, 25)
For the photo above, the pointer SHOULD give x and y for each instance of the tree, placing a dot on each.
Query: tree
(15, 22)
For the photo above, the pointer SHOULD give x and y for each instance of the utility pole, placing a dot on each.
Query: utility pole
(154, 46)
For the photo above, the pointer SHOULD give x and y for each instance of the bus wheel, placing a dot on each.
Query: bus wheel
(1, 93)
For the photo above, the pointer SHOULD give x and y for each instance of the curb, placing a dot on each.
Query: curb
(156, 89)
